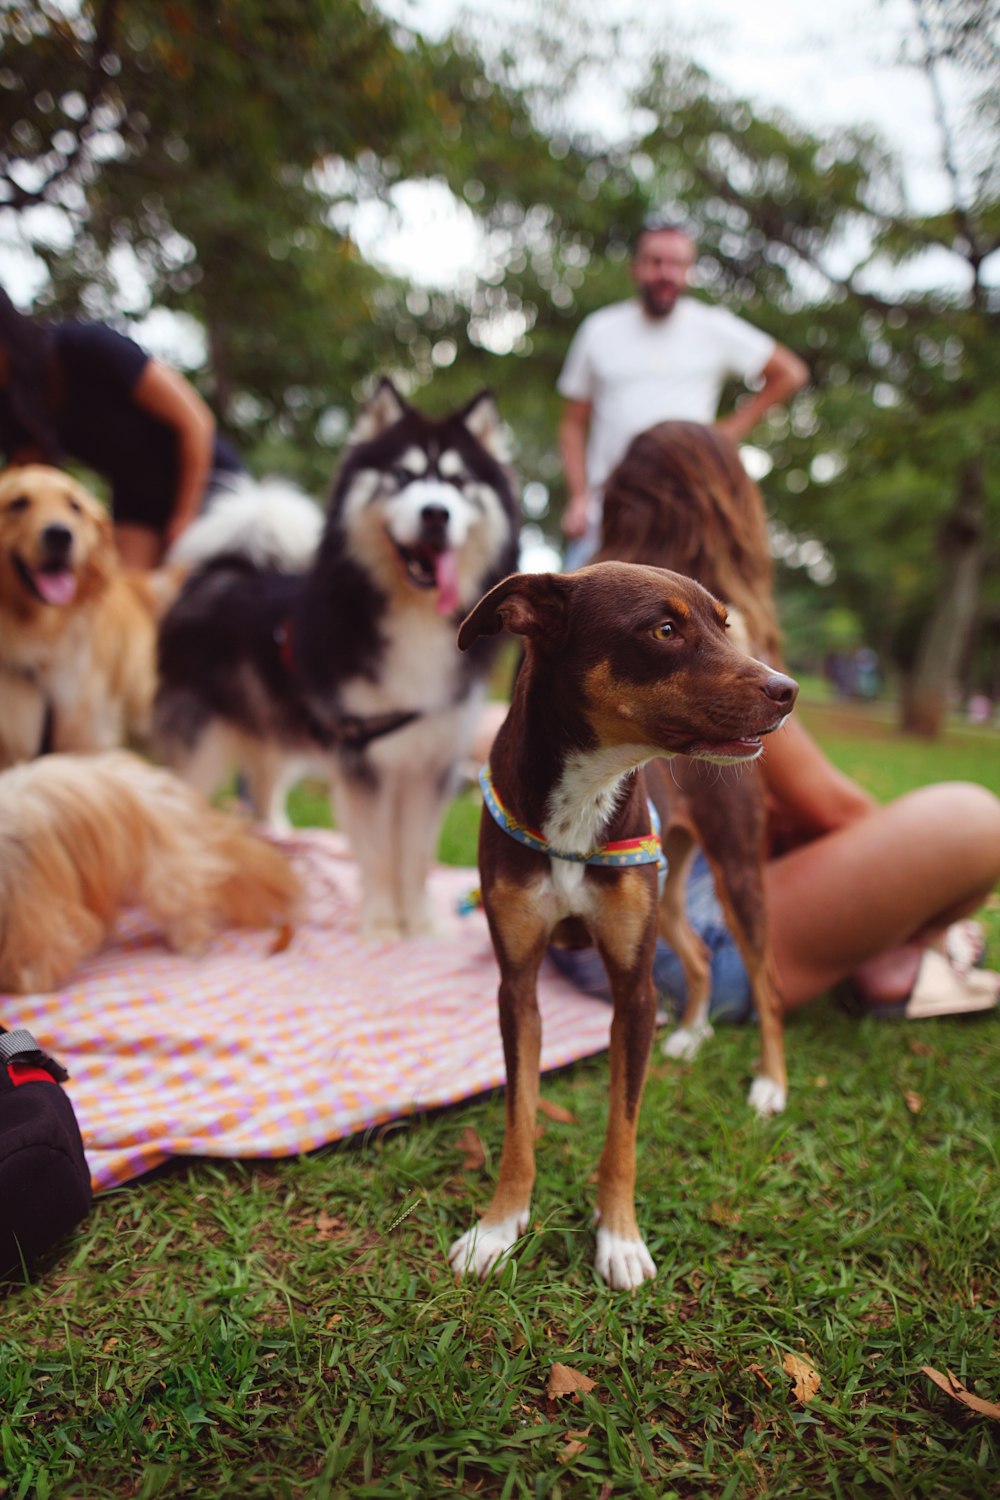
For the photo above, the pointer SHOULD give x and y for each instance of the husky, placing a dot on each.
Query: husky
(350, 667)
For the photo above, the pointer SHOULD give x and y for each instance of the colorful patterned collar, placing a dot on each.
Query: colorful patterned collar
(646, 850)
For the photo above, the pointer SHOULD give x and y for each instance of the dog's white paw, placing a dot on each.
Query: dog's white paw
(767, 1097)
(380, 928)
(685, 1043)
(624, 1263)
(422, 926)
(483, 1247)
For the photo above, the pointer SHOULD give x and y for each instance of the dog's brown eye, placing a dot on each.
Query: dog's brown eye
(21, 503)
(664, 631)
(76, 507)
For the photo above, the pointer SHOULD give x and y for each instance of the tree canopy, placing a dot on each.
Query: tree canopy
(216, 154)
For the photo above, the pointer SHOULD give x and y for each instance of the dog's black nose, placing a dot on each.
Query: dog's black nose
(781, 689)
(435, 515)
(57, 540)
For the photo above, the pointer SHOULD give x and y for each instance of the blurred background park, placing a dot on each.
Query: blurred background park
(285, 199)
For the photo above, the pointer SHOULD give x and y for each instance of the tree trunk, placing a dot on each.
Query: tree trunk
(945, 637)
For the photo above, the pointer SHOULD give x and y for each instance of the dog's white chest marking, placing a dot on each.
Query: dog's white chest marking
(418, 668)
(580, 809)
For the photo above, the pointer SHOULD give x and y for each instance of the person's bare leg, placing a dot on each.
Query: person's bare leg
(138, 546)
(870, 896)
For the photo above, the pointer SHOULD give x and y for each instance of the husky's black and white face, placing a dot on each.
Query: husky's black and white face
(428, 505)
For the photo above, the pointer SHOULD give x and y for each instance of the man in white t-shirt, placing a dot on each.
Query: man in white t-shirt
(660, 356)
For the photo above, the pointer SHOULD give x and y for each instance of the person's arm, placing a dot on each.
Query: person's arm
(807, 794)
(175, 402)
(573, 430)
(783, 375)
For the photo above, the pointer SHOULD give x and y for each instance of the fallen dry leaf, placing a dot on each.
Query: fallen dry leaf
(723, 1214)
(805, 1375)
(564, 1381)
(472, 1149)
(556, 1112)
(328, 1226)
(921, 1049)
(913, 1101)
(758, 1370)
(953, 1387)
(575, 1443)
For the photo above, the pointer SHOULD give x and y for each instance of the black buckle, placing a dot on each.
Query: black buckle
(20, 1046)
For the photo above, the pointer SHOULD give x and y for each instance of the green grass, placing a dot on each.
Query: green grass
(290, 1328)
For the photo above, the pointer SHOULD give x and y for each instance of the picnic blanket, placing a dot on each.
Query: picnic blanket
(245, 1052)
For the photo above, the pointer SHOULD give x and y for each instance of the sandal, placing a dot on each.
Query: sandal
(964, 945)
(943, 989)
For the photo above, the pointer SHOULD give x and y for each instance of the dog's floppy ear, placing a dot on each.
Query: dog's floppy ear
(383, 410)
(483, 420)
(103, 562)
(531, 604)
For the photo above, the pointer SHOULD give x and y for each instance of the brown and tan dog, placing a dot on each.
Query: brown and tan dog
(622, 664)
(77, 633)
(681, 499)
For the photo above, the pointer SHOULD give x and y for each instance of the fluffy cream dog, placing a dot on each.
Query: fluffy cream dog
(77, 633)
(83, 835)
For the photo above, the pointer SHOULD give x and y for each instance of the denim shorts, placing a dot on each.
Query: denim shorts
(730, 999)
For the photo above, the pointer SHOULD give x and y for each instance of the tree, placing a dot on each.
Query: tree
(215, 147)
(225, 147)
(966, 34)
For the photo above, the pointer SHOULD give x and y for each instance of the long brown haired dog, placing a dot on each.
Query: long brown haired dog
(82, 835)
(681, 499)
(77, 633)
(621, 664)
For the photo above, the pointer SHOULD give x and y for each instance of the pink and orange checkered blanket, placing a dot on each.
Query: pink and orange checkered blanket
(246, 1053)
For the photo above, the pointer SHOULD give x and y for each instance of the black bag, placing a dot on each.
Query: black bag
(44, 1179)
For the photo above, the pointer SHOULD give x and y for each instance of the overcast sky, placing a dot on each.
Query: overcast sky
(826, 66)
(832, 65)
(829, 66)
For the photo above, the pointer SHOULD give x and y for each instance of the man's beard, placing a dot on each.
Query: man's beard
(656, 303)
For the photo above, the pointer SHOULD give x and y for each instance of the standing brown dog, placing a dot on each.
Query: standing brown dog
(622, 664)
(681, 499)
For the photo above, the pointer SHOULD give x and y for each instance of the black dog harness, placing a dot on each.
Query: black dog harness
(352, 731)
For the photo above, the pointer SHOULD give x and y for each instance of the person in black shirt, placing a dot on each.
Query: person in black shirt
(82, 392)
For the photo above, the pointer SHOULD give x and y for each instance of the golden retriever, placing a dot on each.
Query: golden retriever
(83, 835)
(77, 633)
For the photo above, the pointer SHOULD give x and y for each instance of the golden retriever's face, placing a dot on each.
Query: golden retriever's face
(56, 546)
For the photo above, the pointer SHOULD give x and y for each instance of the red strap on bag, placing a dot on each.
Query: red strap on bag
(19, 1073)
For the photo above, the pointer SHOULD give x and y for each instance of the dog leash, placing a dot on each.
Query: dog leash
(647, 849)
(25, 1061)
